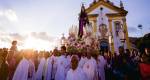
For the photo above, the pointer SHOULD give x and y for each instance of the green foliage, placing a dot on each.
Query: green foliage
(72, 50)
(143, 42)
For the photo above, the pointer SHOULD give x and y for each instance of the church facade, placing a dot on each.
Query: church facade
(109, 24)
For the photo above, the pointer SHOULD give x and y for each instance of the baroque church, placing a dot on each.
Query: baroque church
(108, 24)
(110, 21)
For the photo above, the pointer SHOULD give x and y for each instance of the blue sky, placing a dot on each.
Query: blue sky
(54, 17)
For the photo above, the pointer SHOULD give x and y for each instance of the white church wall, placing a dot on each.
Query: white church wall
(105, 19)
(117, 41)
(105, 9)
(114, 38)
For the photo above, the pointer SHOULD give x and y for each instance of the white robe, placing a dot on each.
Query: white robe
(40, 71)
(31, 70)
(90, 68)
(48, 72)
(61, 68)
(69, 58)
(82, 62)
(101, 65)
(68, 63)
(54, 58)
(77, 74)
(21, 72)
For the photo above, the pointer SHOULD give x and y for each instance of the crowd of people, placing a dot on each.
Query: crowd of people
(71, 63)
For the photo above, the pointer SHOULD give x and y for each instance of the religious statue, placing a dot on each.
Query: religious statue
(83, 20)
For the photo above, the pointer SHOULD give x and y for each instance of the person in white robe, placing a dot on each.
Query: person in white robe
(23, 69)
(75, 73)
(21, 72)
(61, 68)
(101, 65)
(31, 70)
(48, 70)
(90, 67)
(62, 65)
(54, 65)
(41, 67)
(83, 59)
(68, 63)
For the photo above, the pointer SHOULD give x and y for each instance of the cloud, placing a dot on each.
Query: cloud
(132, 29)
(17, 36)
(9, 14)
(42, 36)
(7, 38)
(1, 13)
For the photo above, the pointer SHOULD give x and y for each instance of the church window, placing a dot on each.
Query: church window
(117, 27)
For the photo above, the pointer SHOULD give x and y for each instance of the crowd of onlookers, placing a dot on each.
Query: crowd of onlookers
(127, 65)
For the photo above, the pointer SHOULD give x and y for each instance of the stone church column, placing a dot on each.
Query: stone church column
(110, 28)
(126, 32)
(94, 26)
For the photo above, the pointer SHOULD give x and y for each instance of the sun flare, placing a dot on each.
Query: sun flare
(37, 44)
